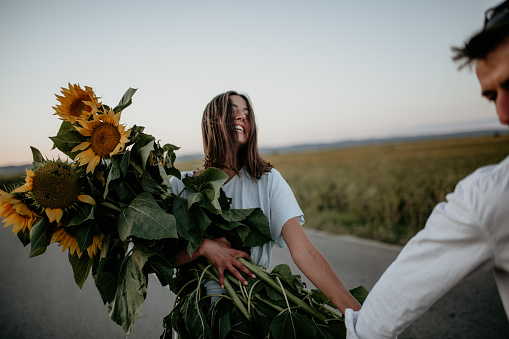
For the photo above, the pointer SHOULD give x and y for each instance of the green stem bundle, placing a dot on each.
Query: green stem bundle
(263, 276)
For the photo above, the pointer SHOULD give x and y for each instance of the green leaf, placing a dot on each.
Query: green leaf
(183, 219)
(118, 170)
(143, 139)
(80, 267)
(84, 213)
(229, 226)
(169, 160)
(37, 156)
(24, 237)
(85, 234)
(195, 319)
(333, 330)
(359, 293)
(219, 318)
(106, 278)
(67, 138)
(290, 325)
(194, 198)
(121, 162)
(149, 184)
(145, 153)
(170, 148)
(263, 315)
(274, 294)
(126, 100)
(124, 191)
(200, 222)
(210, 182)
(143, 218)
(164, 176)
(224, 326)
(237, 214)
(241, 327)
(163, 269)
(131, 289)
(284, 272)
(319, 297)
(260, 230)
(40, 236)
(191, 223)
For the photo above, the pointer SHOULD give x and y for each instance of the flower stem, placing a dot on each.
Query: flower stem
(235, 298)
(111, 206)
(263, 276)
(136, 167)
(268, 303)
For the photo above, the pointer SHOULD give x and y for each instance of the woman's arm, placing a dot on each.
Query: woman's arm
(315, 267)
(221, 255)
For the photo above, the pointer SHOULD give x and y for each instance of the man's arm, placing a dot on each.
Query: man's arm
(450, 248)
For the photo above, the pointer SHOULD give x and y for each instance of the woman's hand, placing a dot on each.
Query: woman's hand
(220, 253)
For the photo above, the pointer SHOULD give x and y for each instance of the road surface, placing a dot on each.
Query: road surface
(39, 299)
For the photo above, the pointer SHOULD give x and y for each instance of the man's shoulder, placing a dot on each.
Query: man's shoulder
(488, 185)
(491, 173)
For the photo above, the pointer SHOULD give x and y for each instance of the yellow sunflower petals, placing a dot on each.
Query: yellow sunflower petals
(117, 149)
(83, 131)
(81, 146)
(93, 163)
(116, 118)
(54, 214)
(85, 156)
(87, 199)
(22, 189)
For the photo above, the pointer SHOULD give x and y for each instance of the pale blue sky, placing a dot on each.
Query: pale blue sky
(317, 71)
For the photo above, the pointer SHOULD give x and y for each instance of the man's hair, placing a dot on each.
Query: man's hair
(219, 138)
(494, 32)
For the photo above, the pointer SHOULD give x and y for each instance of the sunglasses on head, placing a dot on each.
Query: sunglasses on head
(496, 15)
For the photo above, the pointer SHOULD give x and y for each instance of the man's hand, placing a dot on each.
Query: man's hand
(220, 253)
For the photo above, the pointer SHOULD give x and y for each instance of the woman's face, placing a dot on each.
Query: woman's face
(241, 119)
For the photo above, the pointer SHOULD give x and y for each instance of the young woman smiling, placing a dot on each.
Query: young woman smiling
(230, 143)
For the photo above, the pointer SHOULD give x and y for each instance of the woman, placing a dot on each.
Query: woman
(230, 143)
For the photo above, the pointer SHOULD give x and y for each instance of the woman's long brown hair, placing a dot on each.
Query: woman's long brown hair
(219, 138)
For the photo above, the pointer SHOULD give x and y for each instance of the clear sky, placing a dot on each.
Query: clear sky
(316, 71)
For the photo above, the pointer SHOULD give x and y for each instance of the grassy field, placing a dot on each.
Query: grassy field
(384, 192)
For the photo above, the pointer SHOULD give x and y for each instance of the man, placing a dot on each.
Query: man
(464, 236)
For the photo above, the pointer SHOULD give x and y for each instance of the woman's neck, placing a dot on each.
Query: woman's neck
(230, 173)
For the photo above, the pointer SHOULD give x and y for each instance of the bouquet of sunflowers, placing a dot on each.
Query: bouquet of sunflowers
(110, 207)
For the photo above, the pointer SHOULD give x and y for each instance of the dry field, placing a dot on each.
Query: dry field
(384, 192)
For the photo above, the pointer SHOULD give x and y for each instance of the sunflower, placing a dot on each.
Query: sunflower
(76, 104)
(56, 187)
(106, 137)
(15, 212)
(66, 238)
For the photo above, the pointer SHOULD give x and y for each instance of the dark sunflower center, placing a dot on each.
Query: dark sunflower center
(78, 106)
(105, 137)
(56, 186)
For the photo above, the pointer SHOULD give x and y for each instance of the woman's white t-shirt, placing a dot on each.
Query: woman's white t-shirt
(271, 193)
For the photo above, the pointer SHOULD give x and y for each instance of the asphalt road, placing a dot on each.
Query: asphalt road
(39, 299)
